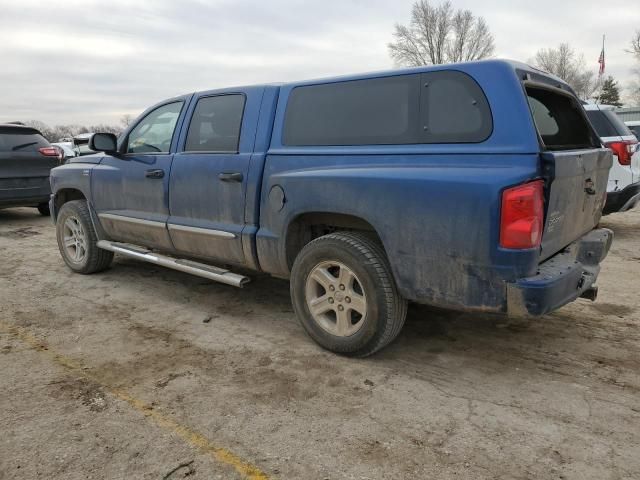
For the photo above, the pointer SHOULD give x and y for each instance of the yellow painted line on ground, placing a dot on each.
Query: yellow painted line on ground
(190, 436)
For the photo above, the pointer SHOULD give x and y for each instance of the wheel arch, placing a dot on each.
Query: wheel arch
(307, 226)
(63, 196)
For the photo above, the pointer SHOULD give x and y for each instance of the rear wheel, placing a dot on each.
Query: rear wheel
(43, 208)
(77, 239)
(344, 294)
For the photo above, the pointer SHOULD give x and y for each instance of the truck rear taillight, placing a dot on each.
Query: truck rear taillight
(623, 150)
(522, 215)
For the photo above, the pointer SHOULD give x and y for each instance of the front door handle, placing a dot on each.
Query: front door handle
(154, 173)
(231, 177)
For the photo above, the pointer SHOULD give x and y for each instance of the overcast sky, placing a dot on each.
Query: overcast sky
(67, 61)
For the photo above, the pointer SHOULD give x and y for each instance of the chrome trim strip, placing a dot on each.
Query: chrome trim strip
(124, 218)
(202, 231)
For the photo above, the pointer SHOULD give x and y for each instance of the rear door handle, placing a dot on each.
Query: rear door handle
(154, 173)
(231, 177)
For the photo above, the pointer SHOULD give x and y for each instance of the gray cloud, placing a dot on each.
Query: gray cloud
(90, 61)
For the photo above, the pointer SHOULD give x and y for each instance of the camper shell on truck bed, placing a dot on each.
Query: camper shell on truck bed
(474, 186)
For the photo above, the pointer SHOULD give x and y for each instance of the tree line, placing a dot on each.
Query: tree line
(440, 34)
(59, 133)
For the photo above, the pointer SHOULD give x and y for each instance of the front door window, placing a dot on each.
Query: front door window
(154, 132)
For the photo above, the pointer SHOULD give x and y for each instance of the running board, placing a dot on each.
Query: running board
(188, 266)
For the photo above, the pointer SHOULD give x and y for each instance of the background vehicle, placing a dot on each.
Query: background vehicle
(623, 188)
(67, 149)
(26, 158)
(634, 126)
(81, 144)
(445, 185)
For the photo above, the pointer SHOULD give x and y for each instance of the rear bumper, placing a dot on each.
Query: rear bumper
(570, 274)
(622, 200)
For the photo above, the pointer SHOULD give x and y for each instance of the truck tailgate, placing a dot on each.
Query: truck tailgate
(576, 192)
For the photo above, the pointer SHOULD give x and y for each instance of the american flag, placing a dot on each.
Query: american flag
(601, 59)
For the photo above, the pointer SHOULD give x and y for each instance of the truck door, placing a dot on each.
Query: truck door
(130, 191)
(209, 175)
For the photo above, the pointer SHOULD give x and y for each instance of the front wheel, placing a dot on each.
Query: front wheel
(345, 296)
(77, 239)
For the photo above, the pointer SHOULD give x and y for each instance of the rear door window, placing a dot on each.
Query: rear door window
(435, 107)
(560, 120)
(16, 140)
(215, 124)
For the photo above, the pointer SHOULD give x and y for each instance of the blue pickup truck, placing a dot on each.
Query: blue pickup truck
(475, 186)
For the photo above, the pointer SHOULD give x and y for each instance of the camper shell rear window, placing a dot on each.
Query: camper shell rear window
(560, 120)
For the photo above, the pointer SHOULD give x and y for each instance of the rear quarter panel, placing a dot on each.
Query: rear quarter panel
(437, 216)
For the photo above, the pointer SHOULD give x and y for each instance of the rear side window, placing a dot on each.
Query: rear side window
(215, 124)
(607, 123)
(435, 107)
(454, 109)
(560, 120)
(635, 129)
(17, 140)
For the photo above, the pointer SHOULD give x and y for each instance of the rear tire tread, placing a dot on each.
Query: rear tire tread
(372, 254)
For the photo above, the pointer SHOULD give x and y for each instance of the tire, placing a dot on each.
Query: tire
(362, 262)
(82, 254)
(43, 208)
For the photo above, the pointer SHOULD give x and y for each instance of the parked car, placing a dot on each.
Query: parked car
(476, 186)
(623, 187)
(634, 126)
(67, 149)
(81, 144)
(26, 158)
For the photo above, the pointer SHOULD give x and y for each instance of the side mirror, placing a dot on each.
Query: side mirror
(103, 142)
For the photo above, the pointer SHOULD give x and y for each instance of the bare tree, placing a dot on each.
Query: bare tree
(46, 131)
(569, 66)
(104, 128)
(125, 120)
(60, 132)
(633, 87)
(439, 34)
(633, 97)
(635, 45)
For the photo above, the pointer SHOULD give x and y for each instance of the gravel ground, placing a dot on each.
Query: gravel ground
(140, 371)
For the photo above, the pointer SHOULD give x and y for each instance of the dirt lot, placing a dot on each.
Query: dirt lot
(138, 371)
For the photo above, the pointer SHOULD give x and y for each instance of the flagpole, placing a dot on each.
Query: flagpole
(600, 70)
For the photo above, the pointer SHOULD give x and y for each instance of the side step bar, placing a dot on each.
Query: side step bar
(188, 266)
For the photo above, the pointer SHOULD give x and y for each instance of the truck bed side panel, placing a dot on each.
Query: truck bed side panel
(437, 217)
